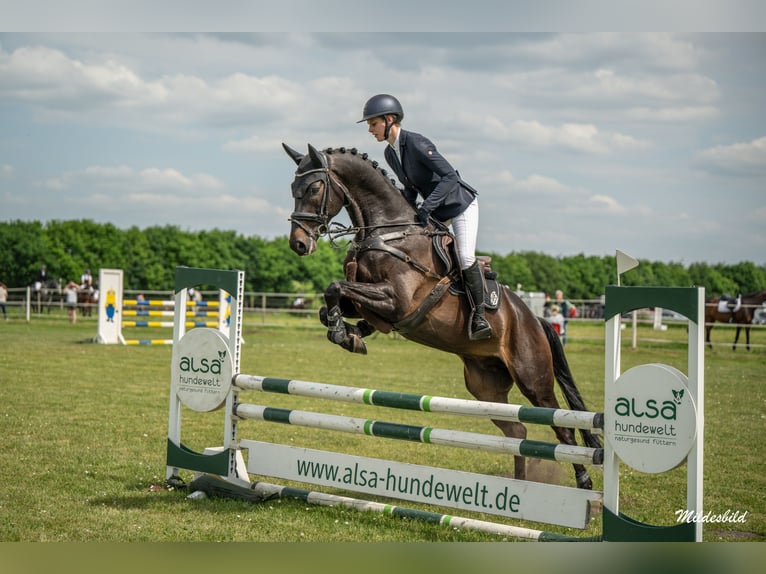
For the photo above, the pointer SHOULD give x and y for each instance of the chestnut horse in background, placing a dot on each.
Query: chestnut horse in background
(742, 315)
(396, 279)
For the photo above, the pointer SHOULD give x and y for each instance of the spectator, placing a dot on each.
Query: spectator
(3, 299)
(193, 296)
(70, 292)
(556, 319)
(547, 306)
(565, 308)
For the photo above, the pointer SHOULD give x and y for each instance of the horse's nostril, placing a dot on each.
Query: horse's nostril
(299, 247)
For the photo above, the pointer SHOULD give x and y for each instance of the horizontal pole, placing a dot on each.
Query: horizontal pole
(268, 490)
(169, 303)
(429, 435)
(148, 341)
(157, 324)
(424, 403)
(147, 313)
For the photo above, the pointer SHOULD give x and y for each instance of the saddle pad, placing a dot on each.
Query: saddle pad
(491, 290)
(726, 305)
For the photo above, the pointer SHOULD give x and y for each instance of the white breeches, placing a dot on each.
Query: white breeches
(466, 227)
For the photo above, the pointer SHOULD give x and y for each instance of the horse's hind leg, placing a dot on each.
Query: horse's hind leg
(489, 380)
(541, 393)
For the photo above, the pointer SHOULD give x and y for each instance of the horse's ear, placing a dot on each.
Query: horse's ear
(297, 156)
(317, 157)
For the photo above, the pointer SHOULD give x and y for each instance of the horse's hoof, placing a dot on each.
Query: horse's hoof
(354, 344)
(358, 345)
(584, 481)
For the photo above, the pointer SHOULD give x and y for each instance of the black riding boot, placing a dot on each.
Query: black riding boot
(474, 285)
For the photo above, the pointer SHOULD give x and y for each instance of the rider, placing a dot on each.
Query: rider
(423, 171)
(86, 280)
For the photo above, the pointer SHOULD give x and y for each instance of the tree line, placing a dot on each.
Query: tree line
(149, 257)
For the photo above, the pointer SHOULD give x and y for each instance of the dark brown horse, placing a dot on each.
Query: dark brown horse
(85, 300)
(739, 312)
(396, 280)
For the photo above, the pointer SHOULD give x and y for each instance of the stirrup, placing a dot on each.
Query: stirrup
(484, 330)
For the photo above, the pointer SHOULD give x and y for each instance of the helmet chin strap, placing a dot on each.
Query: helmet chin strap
(388, 127)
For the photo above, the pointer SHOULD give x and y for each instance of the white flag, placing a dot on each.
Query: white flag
(624, 263)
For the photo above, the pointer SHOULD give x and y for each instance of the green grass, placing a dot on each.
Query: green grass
(84, 429)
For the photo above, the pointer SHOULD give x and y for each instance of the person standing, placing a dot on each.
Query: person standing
(3, 299)
(70, 292)
(564, 307)
(557, 320)
(427, 175)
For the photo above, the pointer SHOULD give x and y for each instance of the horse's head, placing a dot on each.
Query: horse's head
(318, 198)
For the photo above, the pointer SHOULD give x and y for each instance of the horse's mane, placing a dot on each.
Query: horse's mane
(353, 152)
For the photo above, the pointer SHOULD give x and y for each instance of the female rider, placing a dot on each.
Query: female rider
(423, 171)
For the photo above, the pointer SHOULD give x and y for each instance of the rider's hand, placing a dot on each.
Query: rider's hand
(422, 216)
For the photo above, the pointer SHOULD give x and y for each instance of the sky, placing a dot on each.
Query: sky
(653, 143)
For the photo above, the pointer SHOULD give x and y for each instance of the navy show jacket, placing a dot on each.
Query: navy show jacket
(424, 171)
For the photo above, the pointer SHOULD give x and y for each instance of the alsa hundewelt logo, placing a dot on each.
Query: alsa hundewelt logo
(651, 408)
(203, 365)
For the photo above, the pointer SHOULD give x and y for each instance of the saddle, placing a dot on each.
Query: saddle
(444, 246)
(729, 303)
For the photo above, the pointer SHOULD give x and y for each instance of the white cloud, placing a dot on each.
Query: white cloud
(662, 51)
(6, 170)
(585, 138)
(606, 203)
(673, 114)
(252, 144)
(541, 184)
(126, 179)
(746, 158)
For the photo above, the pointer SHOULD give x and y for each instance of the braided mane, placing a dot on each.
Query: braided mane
(364, 156)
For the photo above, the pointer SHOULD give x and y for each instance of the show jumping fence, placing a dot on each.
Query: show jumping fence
(205, 377)
(112, 309)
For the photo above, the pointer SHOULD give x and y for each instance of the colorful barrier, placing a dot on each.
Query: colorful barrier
(205, 377)
(113, 308)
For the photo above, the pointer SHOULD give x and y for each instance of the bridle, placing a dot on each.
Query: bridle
(322, 219)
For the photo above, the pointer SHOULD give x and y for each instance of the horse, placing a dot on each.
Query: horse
(397, 279)
(737, 310)
(85, 300)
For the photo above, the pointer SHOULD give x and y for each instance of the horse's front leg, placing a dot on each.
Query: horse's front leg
(375, 297)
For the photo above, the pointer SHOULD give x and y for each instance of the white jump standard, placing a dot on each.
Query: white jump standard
(205, 377)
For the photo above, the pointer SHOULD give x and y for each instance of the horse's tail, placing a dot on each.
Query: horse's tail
(566, 381)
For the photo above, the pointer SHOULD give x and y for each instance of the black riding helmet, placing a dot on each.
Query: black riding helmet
(382, 105)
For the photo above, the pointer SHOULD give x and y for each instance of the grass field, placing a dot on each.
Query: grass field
(84, 429)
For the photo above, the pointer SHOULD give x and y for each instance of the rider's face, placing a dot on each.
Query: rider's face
(377, 127)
